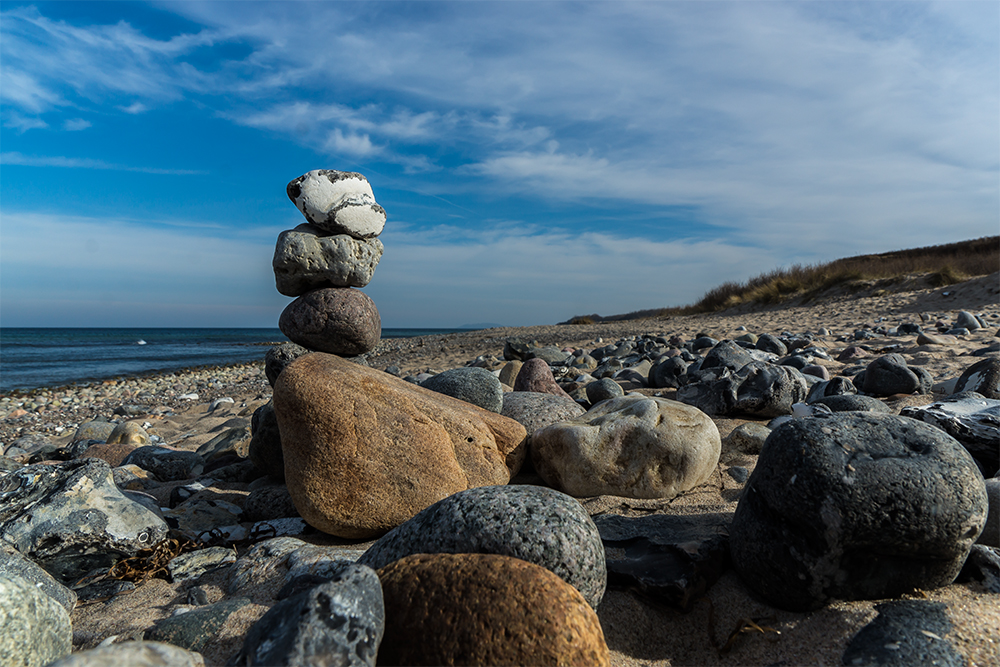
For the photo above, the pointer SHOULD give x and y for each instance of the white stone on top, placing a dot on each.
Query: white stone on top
(338, 202)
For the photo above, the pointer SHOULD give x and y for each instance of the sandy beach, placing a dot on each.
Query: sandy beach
(638, 631)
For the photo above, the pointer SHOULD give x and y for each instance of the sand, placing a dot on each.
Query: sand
(638, 631)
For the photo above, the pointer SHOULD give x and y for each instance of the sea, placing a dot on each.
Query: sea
(31, 357)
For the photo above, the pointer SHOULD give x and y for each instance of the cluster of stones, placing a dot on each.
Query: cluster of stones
(850, 501)
(323, 260)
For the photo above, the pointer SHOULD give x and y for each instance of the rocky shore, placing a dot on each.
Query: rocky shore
(680, 567)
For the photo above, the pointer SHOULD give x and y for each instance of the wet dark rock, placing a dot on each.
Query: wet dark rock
(991, 533)
(71, 518)
(533, 523)
(602, 390)
(969, 418)
(836, 386)
(982, 377)
(339, 622)
(905, 633)
(841, 507)
(671, 559)
(265, 444)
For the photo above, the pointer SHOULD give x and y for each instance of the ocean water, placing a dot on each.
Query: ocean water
(31, 358)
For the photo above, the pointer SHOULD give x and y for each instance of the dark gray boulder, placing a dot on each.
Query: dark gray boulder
(856, 506)
(771, 343)
(470, 384)
(533, 523)
(280, 356)
(836, 386)
(70, 518)
(982, 377)
(339, 622)
(759, 388)
(602, 390)
(265, 444)
(853, 403)
(905, 633)
(668, 373)
(890, 375)
(729, 354)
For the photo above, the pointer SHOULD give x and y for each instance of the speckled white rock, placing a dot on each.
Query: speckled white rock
(340, 202)
(631, 446)
(304, 260)
(34, 628)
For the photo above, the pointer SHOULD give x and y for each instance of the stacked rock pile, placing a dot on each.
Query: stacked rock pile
(321, 262)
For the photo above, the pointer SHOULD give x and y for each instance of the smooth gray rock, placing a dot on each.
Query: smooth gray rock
(855, 506)
(470, 384)
(728, 354)
(535, 410)
(899, 636)
(969, 418)
(533, 523)
(133, 654)
(837, 386)
(982, 377)
(771, 343)
(195, 629)
(166, 464)
(967, 320)
(70, 518)
(13, 564)
(193, 564)
(278, 357)
(34, 628)
(667, 373)
(603, 390)
(304, 260)
(265, 443)
(336, 320)
(338, 202)
(339, 622)
(759, 388)
(746, 438)
(550, 355)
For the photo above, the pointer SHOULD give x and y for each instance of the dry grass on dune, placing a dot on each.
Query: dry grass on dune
(941, 265)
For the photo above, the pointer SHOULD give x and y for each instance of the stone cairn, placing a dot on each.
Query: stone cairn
(321, 261)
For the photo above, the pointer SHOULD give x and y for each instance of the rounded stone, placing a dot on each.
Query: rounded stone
(853, 403)
(280, 356)
(535, 375)
(339, 202)
(470, 384)
(991, 533)
(269, 502)
(128, 433)
(533, 410)
(338, 320)
(34, 629)
(94, 431)
(667, 373)
(534, 523)
(856, 506)
(746, 438)
(133, 654)
(304, 260)
(982, 377)
(889, 375)
(167, 464)
(632, 446)
(265, 444)
(483, 609)
(603, 390)
(771, 343)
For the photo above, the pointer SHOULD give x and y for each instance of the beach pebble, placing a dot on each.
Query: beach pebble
(265, 444)
(602, 390)
(339, 622)
(338, 320)
(673, 560)
(667, 373)
(191, 565)
(269, 502)
(278, 357)
(13, 564)
(365, 451)
(262, 567)
(890, 375)
(94, 430)
(338, 202)
(631, 446)
(533, 523)
(969, 418)
(128, 433)
(925, 338)
(982, 377)
(853, 403)
(472, 385)
(905, 633)
(837, 386)
(508, 374)
(966, 320)
(133, 654)
(534, 410)
(991, 532)
(746, 438)
(304, 260)
(71, 518)
(195, 629)
(484, 609)
(36, 628)
(770, 343)
(535, 375)
(839, 507)
(167, 464)
(726, 354)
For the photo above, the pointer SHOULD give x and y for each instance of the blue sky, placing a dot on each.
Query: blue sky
(537, 160)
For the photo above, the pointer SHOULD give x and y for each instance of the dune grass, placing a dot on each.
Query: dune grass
(941, 264)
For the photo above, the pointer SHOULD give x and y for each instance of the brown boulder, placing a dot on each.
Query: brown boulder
(365, 451)
(338, 320)
(112, 454)
(485, 609)
(535, 375)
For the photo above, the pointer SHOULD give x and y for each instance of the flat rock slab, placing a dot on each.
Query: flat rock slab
(970, 418)
(671, 559)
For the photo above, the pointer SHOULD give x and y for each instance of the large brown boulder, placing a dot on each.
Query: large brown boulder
(485, 609)
(365, 451)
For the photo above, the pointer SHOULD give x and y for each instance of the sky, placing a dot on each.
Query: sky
(536, 160)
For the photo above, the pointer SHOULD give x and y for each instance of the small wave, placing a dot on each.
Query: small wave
(140, 342)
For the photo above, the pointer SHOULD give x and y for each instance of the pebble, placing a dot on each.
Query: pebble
(472, 385)
(133, 654)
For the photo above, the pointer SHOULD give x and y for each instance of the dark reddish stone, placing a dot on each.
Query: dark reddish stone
(337, 320)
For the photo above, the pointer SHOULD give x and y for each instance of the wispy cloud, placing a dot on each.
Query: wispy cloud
(76, 124)
(14, 158)
(135, 108)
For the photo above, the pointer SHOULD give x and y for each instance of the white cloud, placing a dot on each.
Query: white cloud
(76, 124)
(15, 158)
(135, 108)
(23, 123)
